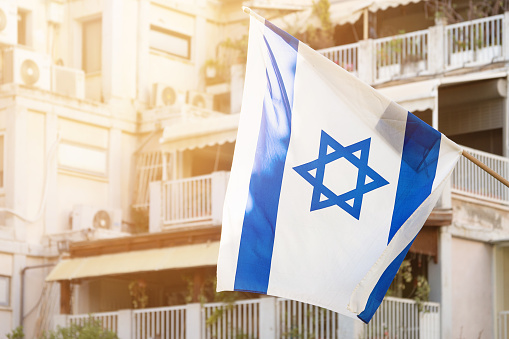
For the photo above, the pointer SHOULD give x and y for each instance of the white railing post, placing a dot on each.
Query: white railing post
(350, 328)
(366, 59)
(155, 216)
(505, 36)
(436, 45)
(193, 321)
(219, 183)
(125, 324)
(268, 318)
(59, 320)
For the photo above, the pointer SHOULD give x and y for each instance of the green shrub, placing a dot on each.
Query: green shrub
(91, 329)
(17, 333)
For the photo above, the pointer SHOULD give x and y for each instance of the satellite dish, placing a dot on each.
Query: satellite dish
(199, 101)
(29, 72)
(102, 220)
(3, 20)
(169, 96)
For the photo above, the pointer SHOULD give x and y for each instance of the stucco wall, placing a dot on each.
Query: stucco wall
(472, 293)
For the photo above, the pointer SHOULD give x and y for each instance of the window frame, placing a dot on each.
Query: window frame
(7, 299)
(174, 34)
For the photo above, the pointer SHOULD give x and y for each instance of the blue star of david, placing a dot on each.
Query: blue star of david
(363, 185)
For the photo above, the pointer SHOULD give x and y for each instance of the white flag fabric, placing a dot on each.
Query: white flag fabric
(330, 183)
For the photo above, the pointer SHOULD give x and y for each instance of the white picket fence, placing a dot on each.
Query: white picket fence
(475, 41)
(396, 318)
(503, 325)
(402, 319)
(230, 321)
(300, 320)
(160, 323)
(469, 179)
(108, 320)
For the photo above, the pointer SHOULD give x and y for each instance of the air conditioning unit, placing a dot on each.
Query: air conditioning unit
(8, 22)
(28, 68)
(93, 217)
(68, 81)
(166, 95)
(200, 99)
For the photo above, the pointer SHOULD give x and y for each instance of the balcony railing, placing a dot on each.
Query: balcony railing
(477, 41)
(469, 179)
(503, 325)
(189, 201)
(345, 56)
(402, 55)
(270, 318)
(432, 51)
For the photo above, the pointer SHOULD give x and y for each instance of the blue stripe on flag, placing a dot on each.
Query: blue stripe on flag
(377, 295)
(258, 229)
(417, 172)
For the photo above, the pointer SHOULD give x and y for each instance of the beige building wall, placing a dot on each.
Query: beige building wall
(472, 293)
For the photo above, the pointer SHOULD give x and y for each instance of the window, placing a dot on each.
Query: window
(82, 158)
(22, 27)
(171, 42)
(5, 291)
(92, 46)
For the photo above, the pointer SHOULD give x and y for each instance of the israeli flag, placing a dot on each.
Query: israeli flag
(330, 183)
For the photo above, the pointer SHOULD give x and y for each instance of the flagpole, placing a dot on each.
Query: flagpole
(248, 10)
(485, 168)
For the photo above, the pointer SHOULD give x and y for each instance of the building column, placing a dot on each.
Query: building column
(268, 317)
(193, 321)
(124, 324)
(505, 121)
(366, 61)
(443, 270)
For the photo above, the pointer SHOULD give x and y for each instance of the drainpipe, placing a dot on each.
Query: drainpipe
(22, 310)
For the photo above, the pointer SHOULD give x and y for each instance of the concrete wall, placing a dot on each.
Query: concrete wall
(472, 293)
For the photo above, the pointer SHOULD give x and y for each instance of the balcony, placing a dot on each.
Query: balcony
(433, 51)
(187, 202)
(267, 318)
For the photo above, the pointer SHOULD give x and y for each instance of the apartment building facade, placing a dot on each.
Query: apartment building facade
(118, 124)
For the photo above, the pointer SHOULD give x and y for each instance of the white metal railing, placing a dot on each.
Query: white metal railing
(469, 179)
(503, 325)
(187, 200)
(300, 320)
(237, 320)
(161, 322)
(345, 56)
(476, 41)
(108, 320)
(404, 54)
(402, 319)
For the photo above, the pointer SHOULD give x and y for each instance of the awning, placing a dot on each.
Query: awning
(415, 96)
(342, 12)
(199, 133)
(350, 11)
(136, 261)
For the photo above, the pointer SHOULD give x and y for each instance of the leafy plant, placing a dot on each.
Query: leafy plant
(90, 329)
(17, 333)
(138, 293)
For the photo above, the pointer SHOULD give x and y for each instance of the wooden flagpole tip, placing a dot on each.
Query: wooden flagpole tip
(246, 10)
